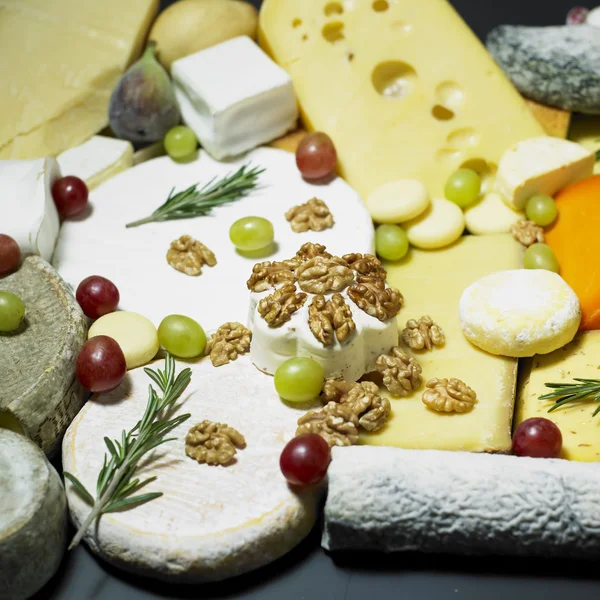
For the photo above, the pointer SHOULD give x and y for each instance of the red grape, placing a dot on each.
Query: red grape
(70, 196)
(101, 364)
(305, 459)
(97, 296)
(538, 438)
(316, 156)
(10, 254)
(577, 15)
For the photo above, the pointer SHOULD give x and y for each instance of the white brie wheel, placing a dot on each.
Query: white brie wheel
(135, 259)
(212, 522)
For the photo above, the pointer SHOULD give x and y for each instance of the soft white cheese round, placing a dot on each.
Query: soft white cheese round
(520, 313)
(33, 517)
(440, 225)
(491, 215)
(397, 201)
(212, 522)
(593, 17)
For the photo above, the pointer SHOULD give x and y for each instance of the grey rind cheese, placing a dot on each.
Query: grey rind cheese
(558, 66)
(33, 518)
(391, 500)
(37, 369)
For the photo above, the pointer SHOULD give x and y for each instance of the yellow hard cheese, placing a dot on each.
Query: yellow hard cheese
(432, 282)
(404, 88)
(580, 431)
(59, 62)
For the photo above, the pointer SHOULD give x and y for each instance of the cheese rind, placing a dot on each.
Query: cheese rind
(408, 92)
(97, 160)
(33, 519)
(578, 426)
(432, 282)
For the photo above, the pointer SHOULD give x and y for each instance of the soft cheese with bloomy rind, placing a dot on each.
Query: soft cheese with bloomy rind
(212, 522)
(33, 518)
(542, 165)
(391, 500)
(57, 96)
(520, 312)
(405, 92)
(431, 282)
(578, 426)
(134, 259)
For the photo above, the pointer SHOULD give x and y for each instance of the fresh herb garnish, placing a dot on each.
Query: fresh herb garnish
(194, 202)
(563, 393)
(597, 155)
(115, 487)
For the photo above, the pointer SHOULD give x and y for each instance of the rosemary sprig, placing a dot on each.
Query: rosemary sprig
(194, 202)
(563, 393)
(597, 155)
(115, 486)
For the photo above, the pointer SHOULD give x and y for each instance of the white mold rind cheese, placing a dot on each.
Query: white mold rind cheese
(212, 522)
(520, 312)
(33, 518)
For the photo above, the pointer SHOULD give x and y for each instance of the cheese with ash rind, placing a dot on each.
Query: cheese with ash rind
(387, 499)
(27, 210)
(33, 518)
(38, 386)
(135, 259)
(212, 522)
(97, 160)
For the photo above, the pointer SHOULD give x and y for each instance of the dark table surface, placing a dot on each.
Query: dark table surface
(308, 572)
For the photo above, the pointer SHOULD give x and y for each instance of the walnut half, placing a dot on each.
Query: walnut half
(321, 274)
(227, 343)
(213, 443)
(279, 307)
(423, 334)
(268, 274)
(527, 232)
(329, 317)
(367, 265)
(188, 255)
(313, 215)
(376, 300)
(401, 372)
(449, 395)
(335, 423)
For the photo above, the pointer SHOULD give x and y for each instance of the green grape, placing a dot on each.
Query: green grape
(12, 311)
(540, 256)
(463, 187)
(181, 336)
(251, 233)
(299, 379)
(391, 242)
(180, 142)
(541, 210)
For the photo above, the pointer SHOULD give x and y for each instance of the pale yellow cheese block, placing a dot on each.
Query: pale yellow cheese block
(585, 130)
(432, 282)
(404, 88)
(60, 62)
(554, 120)
(580, 431)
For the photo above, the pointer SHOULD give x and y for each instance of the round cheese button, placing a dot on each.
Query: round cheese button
(397, 201)
(491, 215)
(135, 334)
(440, 225)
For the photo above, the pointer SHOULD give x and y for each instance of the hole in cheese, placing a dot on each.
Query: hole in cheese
(486, 170)
(296, 23)
(380, 5)
(463, 138)
(449, 95)
(441, 113)
(333, 32)
(449, 156)
(394, 79)
(402, 26)
(333, 8)
(304, 37)
(350, 56)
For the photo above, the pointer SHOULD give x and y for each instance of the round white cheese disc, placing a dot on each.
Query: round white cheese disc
(593, 17)
(440, 225)
(33, 517)
(491, 215)
(212, 522)
(520, 313)
(397, 201)
(135, 259)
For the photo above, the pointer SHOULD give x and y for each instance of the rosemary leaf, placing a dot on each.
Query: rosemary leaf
(194, 202)
(80, 488)
(597, 155)
(131, 502)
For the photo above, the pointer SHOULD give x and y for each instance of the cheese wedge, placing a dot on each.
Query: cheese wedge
(97, 160)
(432, 283)
(57, 95)
(212, 522)
(404, 89)
(580, 431)
(33, 518)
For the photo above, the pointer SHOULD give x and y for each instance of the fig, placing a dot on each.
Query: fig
(143, 106)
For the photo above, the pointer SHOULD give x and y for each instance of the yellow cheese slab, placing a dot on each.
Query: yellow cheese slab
(403, 87)
(585, 130)
(580, 431)
(60, 62)
(432, 282)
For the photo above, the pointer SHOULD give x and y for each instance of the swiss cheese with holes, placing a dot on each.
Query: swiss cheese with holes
(403, 87)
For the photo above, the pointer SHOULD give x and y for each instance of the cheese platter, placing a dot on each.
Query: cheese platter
(260, 274)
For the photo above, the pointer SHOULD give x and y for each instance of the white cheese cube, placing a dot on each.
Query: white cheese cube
(542, 165)
(27, 211)
(234, 97)
(97, 160)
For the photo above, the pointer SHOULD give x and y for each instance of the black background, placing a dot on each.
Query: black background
(308, 573)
